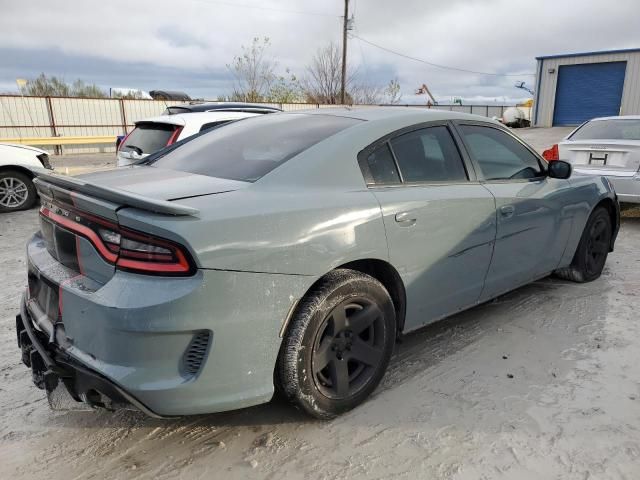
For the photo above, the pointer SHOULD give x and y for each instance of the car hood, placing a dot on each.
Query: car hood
(161, 184)
(24, 147)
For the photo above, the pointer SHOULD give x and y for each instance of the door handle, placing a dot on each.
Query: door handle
(405, 219)
(507, 210)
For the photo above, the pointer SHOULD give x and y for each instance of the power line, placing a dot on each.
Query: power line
(445, 67)
(272, 9)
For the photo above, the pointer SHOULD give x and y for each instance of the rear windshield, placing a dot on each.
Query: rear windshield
(248, 149)
(609, 130)
(148, 138)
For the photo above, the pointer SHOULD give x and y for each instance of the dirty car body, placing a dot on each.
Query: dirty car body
(170, 286)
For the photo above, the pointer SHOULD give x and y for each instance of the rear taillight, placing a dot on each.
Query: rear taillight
(551, 154)
(122, 142)
(126, 249)
(174, 136)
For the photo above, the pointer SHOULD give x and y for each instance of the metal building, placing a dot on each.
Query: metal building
(576, 87)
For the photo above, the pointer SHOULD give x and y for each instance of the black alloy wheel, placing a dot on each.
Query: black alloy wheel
(348, 348)
(338, 344)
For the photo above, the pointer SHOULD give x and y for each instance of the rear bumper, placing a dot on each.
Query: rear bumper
(135, 332)
(627, 188)
(50, 367)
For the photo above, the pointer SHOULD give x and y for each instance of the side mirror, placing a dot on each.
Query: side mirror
(559, 169)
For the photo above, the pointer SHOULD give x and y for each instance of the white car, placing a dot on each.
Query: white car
(608, 146)
(19, 164)
(153, 134)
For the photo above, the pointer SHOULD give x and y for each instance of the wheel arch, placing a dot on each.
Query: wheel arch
(386, 274)
(17, 168)
(609, 204)
(382, 271)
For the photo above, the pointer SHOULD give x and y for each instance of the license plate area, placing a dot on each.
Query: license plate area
(45, 294)
(598, 158)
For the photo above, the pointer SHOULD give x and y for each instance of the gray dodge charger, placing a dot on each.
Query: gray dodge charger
(289, 252)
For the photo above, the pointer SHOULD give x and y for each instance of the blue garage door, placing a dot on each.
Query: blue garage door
(587, 91)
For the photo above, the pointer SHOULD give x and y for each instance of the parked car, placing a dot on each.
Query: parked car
(195, 107)
(153, 134)
(292, 250)
(608, 146)
(19, 164)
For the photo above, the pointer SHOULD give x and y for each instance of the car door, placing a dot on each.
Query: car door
(533, 210)
(439, 221)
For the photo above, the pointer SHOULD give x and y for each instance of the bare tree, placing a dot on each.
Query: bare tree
(253, 71)
(323, 76)
(43, 86)
(366, 94)
(52, 86)
(286, 89)
(392, 92)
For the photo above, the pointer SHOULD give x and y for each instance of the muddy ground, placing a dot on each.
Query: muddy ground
(541, 383)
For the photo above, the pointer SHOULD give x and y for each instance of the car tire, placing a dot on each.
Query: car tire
(593, 249)
(338, 344)
(17, 191)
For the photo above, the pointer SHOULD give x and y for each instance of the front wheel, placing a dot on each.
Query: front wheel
(17, 191)
(593, 249)
(338, 345)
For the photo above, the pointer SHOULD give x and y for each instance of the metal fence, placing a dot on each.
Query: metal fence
(22, 117)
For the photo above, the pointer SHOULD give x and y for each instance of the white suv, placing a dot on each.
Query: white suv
(153, 134)
(19, 164)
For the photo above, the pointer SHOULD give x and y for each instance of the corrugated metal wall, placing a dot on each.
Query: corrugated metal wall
(22, 117)
(546, 83)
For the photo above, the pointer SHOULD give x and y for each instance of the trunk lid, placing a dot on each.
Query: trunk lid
(161, 184)
(76, 211)
(603, 157)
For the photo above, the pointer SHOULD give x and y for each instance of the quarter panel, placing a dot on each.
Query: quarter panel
(287, 231)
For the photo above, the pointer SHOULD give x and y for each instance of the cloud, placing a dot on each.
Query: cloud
(186, 45)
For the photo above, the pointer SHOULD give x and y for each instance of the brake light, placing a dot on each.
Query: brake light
(124, 140)
(174, 136)
(551, 154)
(126, 249)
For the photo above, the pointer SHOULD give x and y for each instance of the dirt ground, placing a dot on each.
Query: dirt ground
(543, 382)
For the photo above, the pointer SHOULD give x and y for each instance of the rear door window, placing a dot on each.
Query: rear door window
(148, 137)
(428, 155)
(499, 155)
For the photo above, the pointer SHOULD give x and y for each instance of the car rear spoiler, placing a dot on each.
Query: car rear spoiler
(114, 195)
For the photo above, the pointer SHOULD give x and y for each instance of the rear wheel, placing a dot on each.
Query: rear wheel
(592, 250)
(338, 345)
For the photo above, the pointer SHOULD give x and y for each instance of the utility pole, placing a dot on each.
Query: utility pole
(344, 51)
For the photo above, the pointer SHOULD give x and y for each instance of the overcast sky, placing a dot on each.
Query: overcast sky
(186, 44)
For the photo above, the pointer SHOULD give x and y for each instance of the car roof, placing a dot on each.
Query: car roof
(197, 117)
(618, 117)
(238, 106)
(415, 114)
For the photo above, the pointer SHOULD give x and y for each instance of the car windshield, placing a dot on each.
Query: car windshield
(618, 129)
(250, 149)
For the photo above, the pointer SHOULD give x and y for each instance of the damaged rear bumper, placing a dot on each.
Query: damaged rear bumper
(51, 369)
